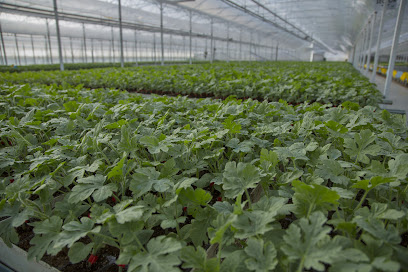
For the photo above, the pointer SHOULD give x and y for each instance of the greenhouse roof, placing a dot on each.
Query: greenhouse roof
(331, 25)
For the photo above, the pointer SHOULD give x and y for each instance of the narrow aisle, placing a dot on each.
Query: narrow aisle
(398, 94)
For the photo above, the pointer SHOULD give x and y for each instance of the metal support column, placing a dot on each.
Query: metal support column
(394, 47)
(25, 55)
(171, 48)
(184, 49)
(102, 52)
(92, 51)
(18, 50)
(61, 60)
(366, 47)
(136, 48)
(377, 47)
(154, 48)
(277, 51)
(161, 33)
(360, 45)
(228, 59)
(250, 46)
(212, 42)
(362, 52)
(311, 52)
(113, 46)
(351, 60)
(122, 64)
(84, 39)
(2, 45)
(240, 44)
(46, 50)
(32, 48)
(125, 50)
(370, 43)
(190, 36)
(72, 49)
(49, 40)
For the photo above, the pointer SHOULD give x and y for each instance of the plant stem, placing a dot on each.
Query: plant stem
(301, 264)
(362, 200)
(310, 210)
(248, 198)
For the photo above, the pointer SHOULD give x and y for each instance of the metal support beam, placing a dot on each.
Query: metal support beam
(102, 52)
(25, 55)
(311, 52)
(394, 47)
(212, 41)
(72, 49)
(92, 51)
(49, 40)
(32, 48)
(277, 51)
(61, 60)
(84, 42)
(360, 46)
(46, 50)
(292, 29)
(363, 46)
(136, 49)
(113, 60)
(370, 43)
(17, 48)
(228, 59)
(250, 46)
(122, 63)
(125, 50)
(2, 45)
(171, 48)
(154, 48)
(366, 46)
(190, 37)
(240, 44)
(377, 47)
(161, 33)
(361, 50)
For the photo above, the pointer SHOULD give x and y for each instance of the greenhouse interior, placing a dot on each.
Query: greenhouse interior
(203, 135)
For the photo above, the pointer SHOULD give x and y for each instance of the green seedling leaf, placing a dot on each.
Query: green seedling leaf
(332, 170)
(194, 199)
(79, 251)
(262, 257)
(46, 235)
(239, 177)
(309, 198)
(73, 231)
(146, 179)
(308, 242)
(197, 259)
(361, 146)
(368, 185)
(162, 255)
(232, 126)
(92, 185)
(153, 144)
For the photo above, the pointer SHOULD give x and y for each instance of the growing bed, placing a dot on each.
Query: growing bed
(97, 179)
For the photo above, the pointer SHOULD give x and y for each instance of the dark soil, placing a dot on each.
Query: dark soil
(106, 256)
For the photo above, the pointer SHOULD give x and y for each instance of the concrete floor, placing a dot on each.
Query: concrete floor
(398, 94)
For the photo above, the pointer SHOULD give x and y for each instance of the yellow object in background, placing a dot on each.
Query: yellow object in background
(404, 76)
